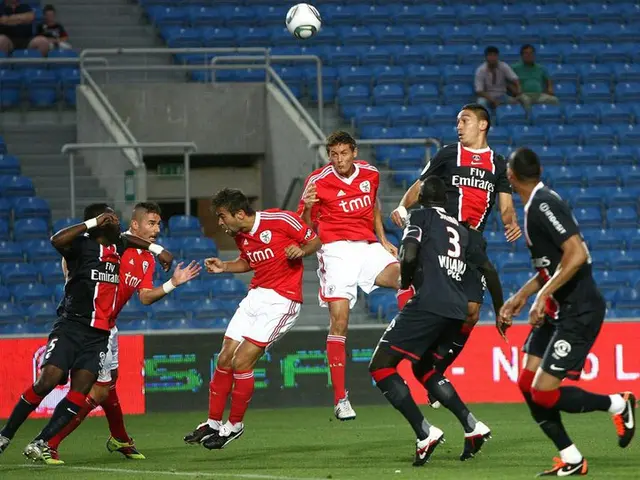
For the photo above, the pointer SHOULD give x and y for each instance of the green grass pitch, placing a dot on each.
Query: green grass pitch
(309, 444)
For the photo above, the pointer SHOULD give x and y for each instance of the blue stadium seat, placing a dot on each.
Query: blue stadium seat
(419, 74)
(411, 115)
(458, 74)
(31, 207)
(546, 114)
(549, 54)
(554, 34)
(388, 74)
(214, 37)
(201, 16)
(580, 197)
(43, 313)
(167, 310)
(627, 301)
(9, 165)
(51, 272)
(388, 94)
(605, 176)
(164, 16)
(566, 92)
(598, 135)
(353, 94)
(208, 310)
(377, 115)
(10, 313)
(525, 135)
(377, 55)
(16, 186)
(509, 115)
(514, 262)
(627, 92)
(413, 53)
(621, 217)
(614, 113)
(602, 239)
(24, 54)
(5, 294)
(440, 115)
(620, 155)
(380, 132)
(10, 252)
(10, 83)
(388, 33)
(375, 13)
(595, 72)
(229, 287)
(626, 72)
(192, 291)
(4, 230)
(240, 16)
(180, 37)
(355, 35)
(628, 134)
(5, 208)
(198, 248)
(459, 93)
(595, 92)
(419, 132)
(13, 273)
(574, 53)
(423, 93)
(626, 260)
(562, 135)
(31, 293)
(30, 228)
(496, 242)
(589, 217)
(550, 155)
(581, 114)
(623, 196)
(184, 226)
(587, 155)
(631, 177)
(40, 251)
(339, 14)
(613, 52)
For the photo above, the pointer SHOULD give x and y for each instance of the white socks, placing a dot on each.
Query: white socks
(617, 404)
(215, 424)
(571, 454)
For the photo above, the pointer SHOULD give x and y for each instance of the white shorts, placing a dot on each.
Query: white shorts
(263, 317)
(345, 266)
(111, 360)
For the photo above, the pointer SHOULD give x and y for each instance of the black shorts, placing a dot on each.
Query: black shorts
(473, 281)
(20, 43)
(76, 346)
(564, 345)
(414, 332)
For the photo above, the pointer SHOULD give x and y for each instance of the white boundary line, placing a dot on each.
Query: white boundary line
(132, 471)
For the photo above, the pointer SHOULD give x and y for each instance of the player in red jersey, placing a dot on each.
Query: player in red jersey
(340, 201)
(78, 343)
(272, 244)
(136, 275)
(475, 177)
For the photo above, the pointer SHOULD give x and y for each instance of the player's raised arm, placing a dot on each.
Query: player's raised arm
(181, 275)
(164, 256)
(215, 265)
(308, 203)
(63, 239)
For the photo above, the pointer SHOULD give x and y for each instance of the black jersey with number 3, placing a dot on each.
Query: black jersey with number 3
(443, 246)
(548, 223)
(473, 179)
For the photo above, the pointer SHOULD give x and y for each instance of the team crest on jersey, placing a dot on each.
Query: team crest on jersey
(145, 266)
(265, 236)
(307, 235)
(476, 159)
(365, 186)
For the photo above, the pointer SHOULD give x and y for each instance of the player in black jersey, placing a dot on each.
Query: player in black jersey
(566, 316)
(475, 177)
(433, 259)
(78, 342)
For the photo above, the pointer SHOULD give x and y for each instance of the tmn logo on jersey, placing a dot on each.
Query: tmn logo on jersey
(265, 236)
(107, 273)
(355, 204)
(260, 255)
(131, 281)
(365, 186)
(454, 266)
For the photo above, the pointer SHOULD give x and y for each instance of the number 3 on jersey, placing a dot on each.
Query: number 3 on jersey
(454, 241)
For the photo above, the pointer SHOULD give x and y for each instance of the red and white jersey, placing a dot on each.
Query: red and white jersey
(345, 207)
(263, 248)
(136, 273)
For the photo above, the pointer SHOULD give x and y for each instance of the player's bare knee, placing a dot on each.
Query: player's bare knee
(382, 359)
(50, 377)
(225, 359)
(99, 393)
(388, 278)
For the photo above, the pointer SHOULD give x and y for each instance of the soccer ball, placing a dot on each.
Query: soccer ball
(303, 21)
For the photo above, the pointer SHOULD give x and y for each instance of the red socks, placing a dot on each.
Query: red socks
(337, 358)
(89, 405)
(113, 412)
(219, 389)
(32, 397)
(403, 296)
(241, 395)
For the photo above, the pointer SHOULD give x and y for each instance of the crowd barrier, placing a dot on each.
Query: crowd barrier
(170, 372)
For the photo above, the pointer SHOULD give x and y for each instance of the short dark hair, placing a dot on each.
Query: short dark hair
(340, 137)
(527, 46)
(433, 191)
(491, 49)
(525, 164)
(233, 200)
(146, 207)
(481, 112)
(95, 209)
(49, 8)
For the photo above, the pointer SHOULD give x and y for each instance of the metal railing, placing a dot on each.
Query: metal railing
(186, 147)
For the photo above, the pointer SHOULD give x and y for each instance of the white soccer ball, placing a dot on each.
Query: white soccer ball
(303, 21)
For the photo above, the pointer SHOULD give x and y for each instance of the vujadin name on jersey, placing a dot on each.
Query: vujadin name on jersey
(454, 266)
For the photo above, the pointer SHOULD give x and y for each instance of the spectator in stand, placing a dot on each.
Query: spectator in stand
(53, 31)
(534, 78)
(496, 83)
(16, 28)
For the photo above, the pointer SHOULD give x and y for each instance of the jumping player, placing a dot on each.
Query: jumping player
(340, 201)
(272, 243)
(136, 275)
(433, 259)
(79, 340)
(566, 317)
(475, 176)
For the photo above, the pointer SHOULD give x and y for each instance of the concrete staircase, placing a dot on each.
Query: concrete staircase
(115, 24)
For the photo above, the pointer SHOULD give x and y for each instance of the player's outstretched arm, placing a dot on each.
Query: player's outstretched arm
(215, 265)
(165, 257)
(181, 275)
(378, 227)
(509, 217)
(409, 199)
(62, 239)
(293, 251)
(514, 305)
